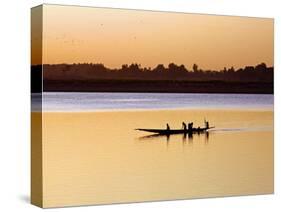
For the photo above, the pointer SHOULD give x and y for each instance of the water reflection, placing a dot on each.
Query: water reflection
(187, 137)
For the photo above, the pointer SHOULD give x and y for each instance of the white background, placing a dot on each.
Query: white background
(15, 102)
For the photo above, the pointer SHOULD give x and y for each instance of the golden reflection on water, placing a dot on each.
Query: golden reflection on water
(98, 157)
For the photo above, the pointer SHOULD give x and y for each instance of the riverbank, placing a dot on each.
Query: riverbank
(157, 86)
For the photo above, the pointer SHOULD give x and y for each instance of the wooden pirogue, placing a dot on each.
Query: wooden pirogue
(176, 131)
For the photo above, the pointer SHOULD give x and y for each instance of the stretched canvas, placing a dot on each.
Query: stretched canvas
(133, 106)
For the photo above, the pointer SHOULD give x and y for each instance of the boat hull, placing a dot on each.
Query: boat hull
(175, 131)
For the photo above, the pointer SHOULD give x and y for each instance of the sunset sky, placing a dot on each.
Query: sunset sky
(115, 37)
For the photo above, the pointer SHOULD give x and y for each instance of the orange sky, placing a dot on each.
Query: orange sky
(115, 37)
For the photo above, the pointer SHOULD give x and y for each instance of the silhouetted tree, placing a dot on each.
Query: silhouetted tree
(261, 67)
(134, 67)
(231, 70)
(159, 68)
(124, 67)
(249, 69)
(172, 67)
(195, 67)
(182, 68)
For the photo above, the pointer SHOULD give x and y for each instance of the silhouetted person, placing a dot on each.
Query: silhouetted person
(190, 125)
(168, 127)
(207, 124)
(184, 125)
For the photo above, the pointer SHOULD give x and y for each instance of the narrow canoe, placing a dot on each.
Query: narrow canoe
(175, 131)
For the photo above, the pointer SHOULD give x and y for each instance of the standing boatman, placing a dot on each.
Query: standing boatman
(206, 124)
(190, 125)
(168, 127)
(184, 125)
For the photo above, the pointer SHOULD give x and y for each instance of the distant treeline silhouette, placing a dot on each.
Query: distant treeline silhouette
(90, 71)
(88, 77)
